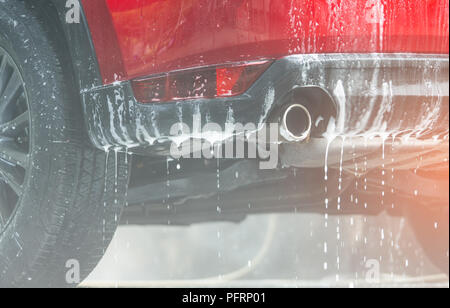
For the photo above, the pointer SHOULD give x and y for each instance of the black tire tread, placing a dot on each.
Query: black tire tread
(75, 205)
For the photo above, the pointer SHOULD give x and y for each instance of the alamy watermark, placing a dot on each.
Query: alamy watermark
(373, 271)
(73, 274)
(236, 141)
(73, 12)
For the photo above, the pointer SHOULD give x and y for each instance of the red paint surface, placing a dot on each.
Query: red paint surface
(155, 36)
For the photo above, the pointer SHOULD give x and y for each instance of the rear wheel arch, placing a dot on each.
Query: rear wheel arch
(73, 45)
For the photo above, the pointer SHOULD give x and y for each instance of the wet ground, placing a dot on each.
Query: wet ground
(289, 250)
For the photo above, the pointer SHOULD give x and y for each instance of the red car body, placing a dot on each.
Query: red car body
(381, 56)
(137, 38)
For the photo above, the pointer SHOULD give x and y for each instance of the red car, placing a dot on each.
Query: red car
(99, 98)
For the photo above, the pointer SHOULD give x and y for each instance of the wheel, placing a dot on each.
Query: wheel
(60, 199)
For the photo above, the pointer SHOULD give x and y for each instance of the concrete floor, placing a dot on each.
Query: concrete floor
(286, 250)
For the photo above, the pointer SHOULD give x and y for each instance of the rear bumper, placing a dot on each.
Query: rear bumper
(366, 94)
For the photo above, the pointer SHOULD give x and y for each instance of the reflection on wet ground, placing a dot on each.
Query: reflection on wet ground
(286, 250)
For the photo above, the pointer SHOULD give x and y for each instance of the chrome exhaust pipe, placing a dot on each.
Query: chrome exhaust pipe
(296, 123)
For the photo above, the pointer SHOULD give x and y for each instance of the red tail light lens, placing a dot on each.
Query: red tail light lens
(209, 82)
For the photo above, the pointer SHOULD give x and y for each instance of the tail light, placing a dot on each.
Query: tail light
(208, 82)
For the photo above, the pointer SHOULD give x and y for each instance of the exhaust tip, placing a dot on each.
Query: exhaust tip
(296, 123)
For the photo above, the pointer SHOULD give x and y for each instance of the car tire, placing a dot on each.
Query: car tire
(65, 198)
